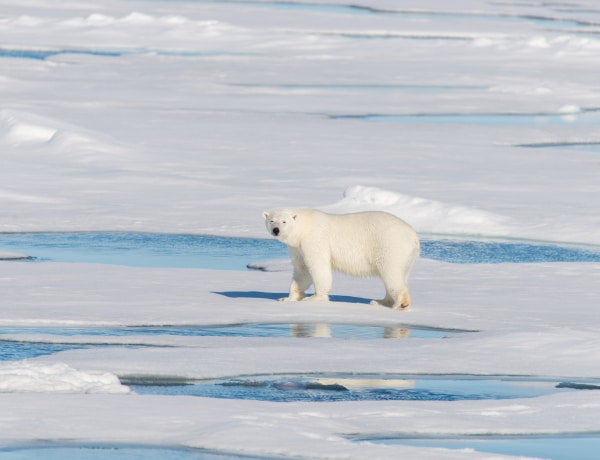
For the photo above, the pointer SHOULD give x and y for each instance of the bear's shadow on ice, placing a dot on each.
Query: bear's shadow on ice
(279, 295)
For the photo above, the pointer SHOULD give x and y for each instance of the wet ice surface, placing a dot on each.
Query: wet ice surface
(213, 252)
(552, 446)
(583, 117)
(43, 54)
(572, 146)
(110, 452)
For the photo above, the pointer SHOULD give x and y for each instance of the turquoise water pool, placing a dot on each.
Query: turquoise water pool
(321, 388)
(224, 253)
(294, 330)
(14, 351)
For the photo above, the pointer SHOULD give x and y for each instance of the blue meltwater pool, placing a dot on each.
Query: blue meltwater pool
(352, 387)
(224, 253)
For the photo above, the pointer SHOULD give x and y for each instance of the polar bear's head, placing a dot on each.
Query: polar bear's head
(280, 224)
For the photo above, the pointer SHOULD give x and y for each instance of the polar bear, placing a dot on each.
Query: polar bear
(371, 243)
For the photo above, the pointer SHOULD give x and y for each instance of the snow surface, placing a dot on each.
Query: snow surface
(196, 116)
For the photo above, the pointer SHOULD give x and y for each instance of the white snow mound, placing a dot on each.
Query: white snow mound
(423, 214)
(16, 131)
(29, 377)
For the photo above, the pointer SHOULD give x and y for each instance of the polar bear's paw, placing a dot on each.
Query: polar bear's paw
(317, 298)
(381, 303)
(288, 299)
(390, 304)
(292, 297)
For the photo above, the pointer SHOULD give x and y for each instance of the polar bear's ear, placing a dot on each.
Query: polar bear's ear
(265, 215)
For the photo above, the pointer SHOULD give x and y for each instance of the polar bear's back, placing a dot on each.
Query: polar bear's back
(365, 243)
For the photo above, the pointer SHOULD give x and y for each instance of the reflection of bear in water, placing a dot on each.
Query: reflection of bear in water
(369, 243)
(323, 330)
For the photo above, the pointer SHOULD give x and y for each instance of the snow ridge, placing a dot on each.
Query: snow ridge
(425, 215)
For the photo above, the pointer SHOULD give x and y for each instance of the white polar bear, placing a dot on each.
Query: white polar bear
(371, 243)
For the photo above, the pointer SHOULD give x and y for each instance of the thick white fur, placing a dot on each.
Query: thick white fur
(369, 243)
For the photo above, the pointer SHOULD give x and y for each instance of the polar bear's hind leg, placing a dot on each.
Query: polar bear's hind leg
(387, 301)
(402, 302)
(396, 293)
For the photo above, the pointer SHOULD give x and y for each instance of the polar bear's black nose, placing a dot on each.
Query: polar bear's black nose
(276, 231)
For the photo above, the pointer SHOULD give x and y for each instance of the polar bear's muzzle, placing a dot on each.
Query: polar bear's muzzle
(275, 231)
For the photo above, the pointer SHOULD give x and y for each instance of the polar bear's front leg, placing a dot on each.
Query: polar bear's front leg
(301, 279)
(292, 297)
(319, 266)
(297, 289)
